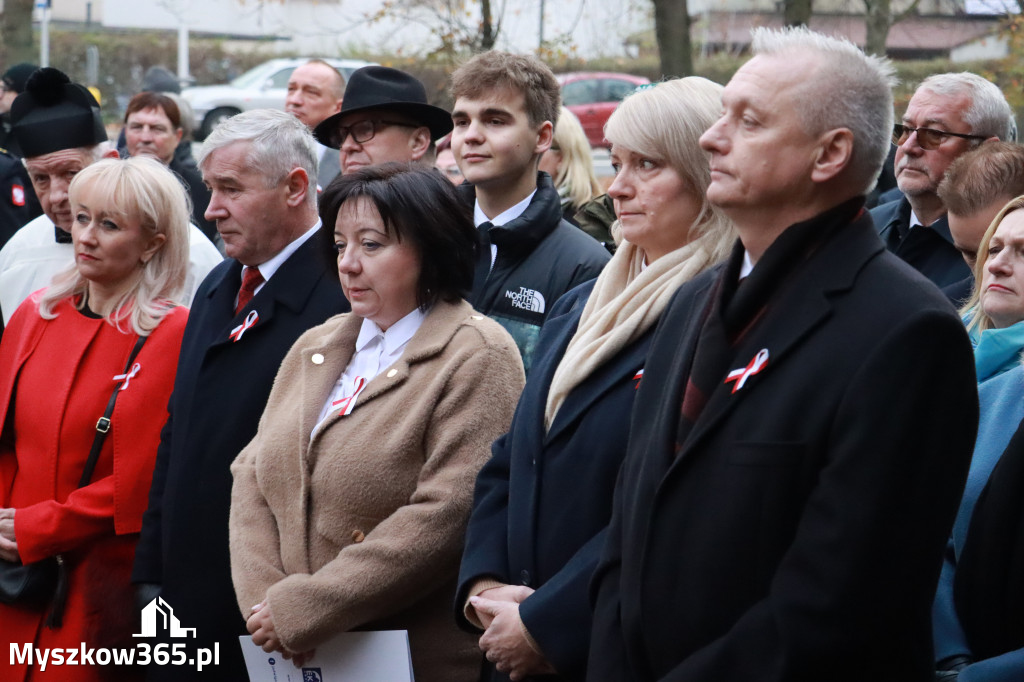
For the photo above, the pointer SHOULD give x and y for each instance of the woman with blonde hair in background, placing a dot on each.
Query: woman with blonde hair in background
(570, 164)
(978, 614)
(543, 501)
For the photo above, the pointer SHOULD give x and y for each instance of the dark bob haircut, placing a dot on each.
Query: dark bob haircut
(419, 205)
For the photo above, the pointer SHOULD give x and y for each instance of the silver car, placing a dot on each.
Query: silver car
(261, 87)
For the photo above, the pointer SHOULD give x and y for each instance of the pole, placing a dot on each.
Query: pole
(183, 74)
(44, 32)
(540, 42)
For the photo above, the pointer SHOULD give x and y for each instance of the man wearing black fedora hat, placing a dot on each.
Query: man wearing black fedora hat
(384, 117)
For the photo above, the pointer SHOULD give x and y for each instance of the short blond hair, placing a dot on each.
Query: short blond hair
(664, 122)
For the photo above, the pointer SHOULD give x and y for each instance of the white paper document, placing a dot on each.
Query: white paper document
(381, 656)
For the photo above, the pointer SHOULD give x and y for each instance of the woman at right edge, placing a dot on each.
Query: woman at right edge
(543, 501)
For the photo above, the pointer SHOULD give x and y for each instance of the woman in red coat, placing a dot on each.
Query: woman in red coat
(62, 355)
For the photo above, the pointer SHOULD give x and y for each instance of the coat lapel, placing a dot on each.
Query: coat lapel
(803, 304)
(322, 365)
(621, 368)
(430, 339)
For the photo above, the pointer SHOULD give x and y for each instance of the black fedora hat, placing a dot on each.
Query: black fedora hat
(380, 87)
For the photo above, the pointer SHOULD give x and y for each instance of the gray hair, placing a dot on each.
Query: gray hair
(279, 143)
(665, 122)
(849, 89)
(989, 114)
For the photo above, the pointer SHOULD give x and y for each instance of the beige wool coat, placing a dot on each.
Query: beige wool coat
(361, 527)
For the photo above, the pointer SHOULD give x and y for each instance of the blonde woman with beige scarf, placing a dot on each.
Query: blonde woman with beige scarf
(543, 501)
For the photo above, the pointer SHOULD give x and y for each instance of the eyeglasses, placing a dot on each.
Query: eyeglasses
(927, 138)
(363, 131)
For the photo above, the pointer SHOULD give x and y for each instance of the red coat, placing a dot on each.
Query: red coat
(55, 379)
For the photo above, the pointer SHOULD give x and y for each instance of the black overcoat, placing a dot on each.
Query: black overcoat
(219, 394)
(543, 501)
(799, 534)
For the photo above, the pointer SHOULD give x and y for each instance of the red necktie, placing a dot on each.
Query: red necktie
(251, 279)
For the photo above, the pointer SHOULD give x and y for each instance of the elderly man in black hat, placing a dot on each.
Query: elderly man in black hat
(58, 125)
(384, 117)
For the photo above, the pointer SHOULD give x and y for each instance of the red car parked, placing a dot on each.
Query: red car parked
(593, 96)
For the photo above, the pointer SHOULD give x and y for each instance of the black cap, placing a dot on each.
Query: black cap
(15, 77)
(54, 114)
(380, 87)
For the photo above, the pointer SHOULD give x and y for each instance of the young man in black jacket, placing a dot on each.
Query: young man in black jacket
(506, 107)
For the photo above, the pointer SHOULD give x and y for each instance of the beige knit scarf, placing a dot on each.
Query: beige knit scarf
(627, 300)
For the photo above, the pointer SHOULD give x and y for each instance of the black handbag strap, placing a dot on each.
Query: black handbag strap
(103, 425)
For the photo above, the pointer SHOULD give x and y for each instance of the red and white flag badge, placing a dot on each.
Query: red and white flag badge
(250, 319)
(741, 375)
(637, 377)
(17, 195)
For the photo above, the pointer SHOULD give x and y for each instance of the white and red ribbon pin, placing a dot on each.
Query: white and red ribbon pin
(347, 404)
(741, 375)
(128, 377)
(250, 319)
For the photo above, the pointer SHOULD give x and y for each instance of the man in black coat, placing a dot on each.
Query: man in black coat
(949, 114)
(275, 285)
(779, 516)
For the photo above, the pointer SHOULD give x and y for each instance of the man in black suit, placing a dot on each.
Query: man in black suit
(277, 283)
(779, 516)
(949, 114)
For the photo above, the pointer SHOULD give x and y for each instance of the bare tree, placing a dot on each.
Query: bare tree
(672, 31)
(16, 32)
(459, 25)
(878, 19)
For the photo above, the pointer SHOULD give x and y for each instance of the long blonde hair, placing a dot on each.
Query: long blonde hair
(140, 189)
(980, 321)
(576, 171)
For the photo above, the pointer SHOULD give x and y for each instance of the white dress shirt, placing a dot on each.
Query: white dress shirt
(376, 350)
(507, 216)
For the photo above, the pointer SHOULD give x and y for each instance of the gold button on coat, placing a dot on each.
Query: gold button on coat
(357, 536)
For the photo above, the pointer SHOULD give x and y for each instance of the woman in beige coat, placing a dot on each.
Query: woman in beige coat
(350, 504)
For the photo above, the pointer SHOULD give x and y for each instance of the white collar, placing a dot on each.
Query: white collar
(506, 216)
(268, 268)
(747, 266)
(397, 334)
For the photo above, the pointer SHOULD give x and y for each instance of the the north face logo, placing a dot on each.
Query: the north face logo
(526, 299)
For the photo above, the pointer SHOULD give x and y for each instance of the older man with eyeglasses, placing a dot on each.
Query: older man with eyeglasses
(384, 117)
(949, 114)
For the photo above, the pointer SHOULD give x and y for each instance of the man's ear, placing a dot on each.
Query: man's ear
(545, 136)
(834, 154)
(297, 187)
(111, 153)
(419, 142)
